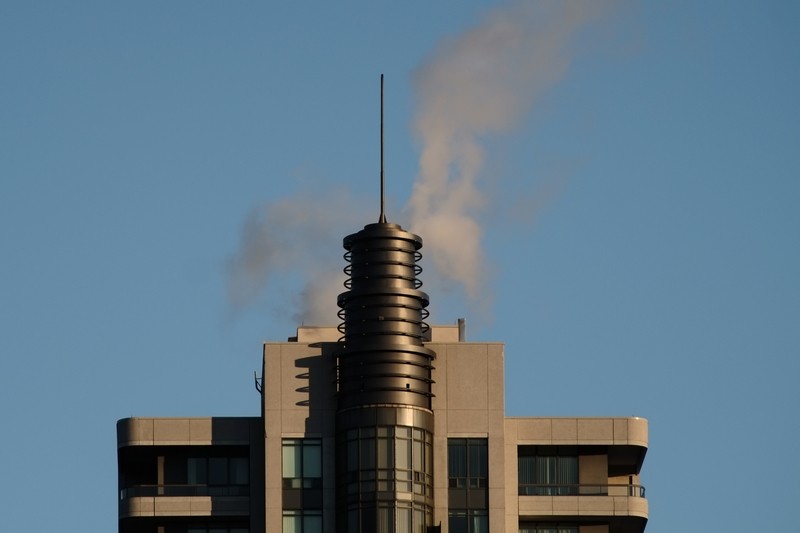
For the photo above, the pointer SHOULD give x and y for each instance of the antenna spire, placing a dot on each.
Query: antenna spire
(382, 218)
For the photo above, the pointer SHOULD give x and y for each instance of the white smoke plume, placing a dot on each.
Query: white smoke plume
(293, 241)
(480, 83)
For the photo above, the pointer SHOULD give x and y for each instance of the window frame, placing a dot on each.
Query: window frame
(551, 470)
(303, 460)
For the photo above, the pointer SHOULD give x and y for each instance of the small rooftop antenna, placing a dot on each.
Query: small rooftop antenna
(382, 219)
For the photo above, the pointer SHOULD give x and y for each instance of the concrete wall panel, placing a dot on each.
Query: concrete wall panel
(637, 431)
(598, 430)
(565, 430)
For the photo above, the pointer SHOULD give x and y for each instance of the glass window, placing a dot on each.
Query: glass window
(352, 455)
(457, 522)
(351, 452)
(416, 456)
(468, 521)
(467, 463)
(312, 522)
(468, 473)
(385, 519)
(238, 471)
(304, 521)
(352, 521)
(367, 454)
(479, 521)
(419, 519)
(302, 463)
(217, 530)
(403, 518)
(386, 459)
(545, 472)
(292, 523)
(385, 449)
(312, 459)
(292, 460)
(547, 528)
(217, 471)
(197, 471)
(403, 457)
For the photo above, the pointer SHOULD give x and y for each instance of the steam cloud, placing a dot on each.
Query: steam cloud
(294, 241)
(482, 82)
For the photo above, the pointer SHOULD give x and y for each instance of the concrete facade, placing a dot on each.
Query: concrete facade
(155, 490)
(596, 461)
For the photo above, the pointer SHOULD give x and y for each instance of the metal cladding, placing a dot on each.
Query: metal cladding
(383, 360)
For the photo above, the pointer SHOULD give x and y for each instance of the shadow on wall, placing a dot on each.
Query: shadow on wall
(319, 374)
(233, 512)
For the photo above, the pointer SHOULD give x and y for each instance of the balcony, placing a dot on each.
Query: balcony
(622, 506)
(184, 490)
(537, 489)
(184, 500)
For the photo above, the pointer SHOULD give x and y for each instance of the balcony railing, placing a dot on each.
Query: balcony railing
(184, 490)
(537, 489)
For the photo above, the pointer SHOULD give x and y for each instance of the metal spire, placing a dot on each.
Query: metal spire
(382, 219)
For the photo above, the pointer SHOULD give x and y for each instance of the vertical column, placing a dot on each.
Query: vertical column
(384, 418)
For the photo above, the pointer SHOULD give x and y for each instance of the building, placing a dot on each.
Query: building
(382, 425)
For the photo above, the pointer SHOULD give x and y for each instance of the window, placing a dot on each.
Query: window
(302, 483)
(302, 521)
(302, 463)
(386, 459)
(468, 521)
(547, 528)
(547, 471)
(385, 474)
(467, 463)
(218, 471)
(217, 530)
(468, 479)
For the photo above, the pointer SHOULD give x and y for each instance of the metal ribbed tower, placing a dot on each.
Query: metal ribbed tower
(383, 361)
(384, 422)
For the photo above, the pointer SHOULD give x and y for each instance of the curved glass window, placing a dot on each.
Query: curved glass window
(386, 477)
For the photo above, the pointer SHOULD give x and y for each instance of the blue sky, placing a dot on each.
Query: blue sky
(640, 225)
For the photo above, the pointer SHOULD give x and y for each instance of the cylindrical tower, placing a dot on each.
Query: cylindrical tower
(384, 420)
